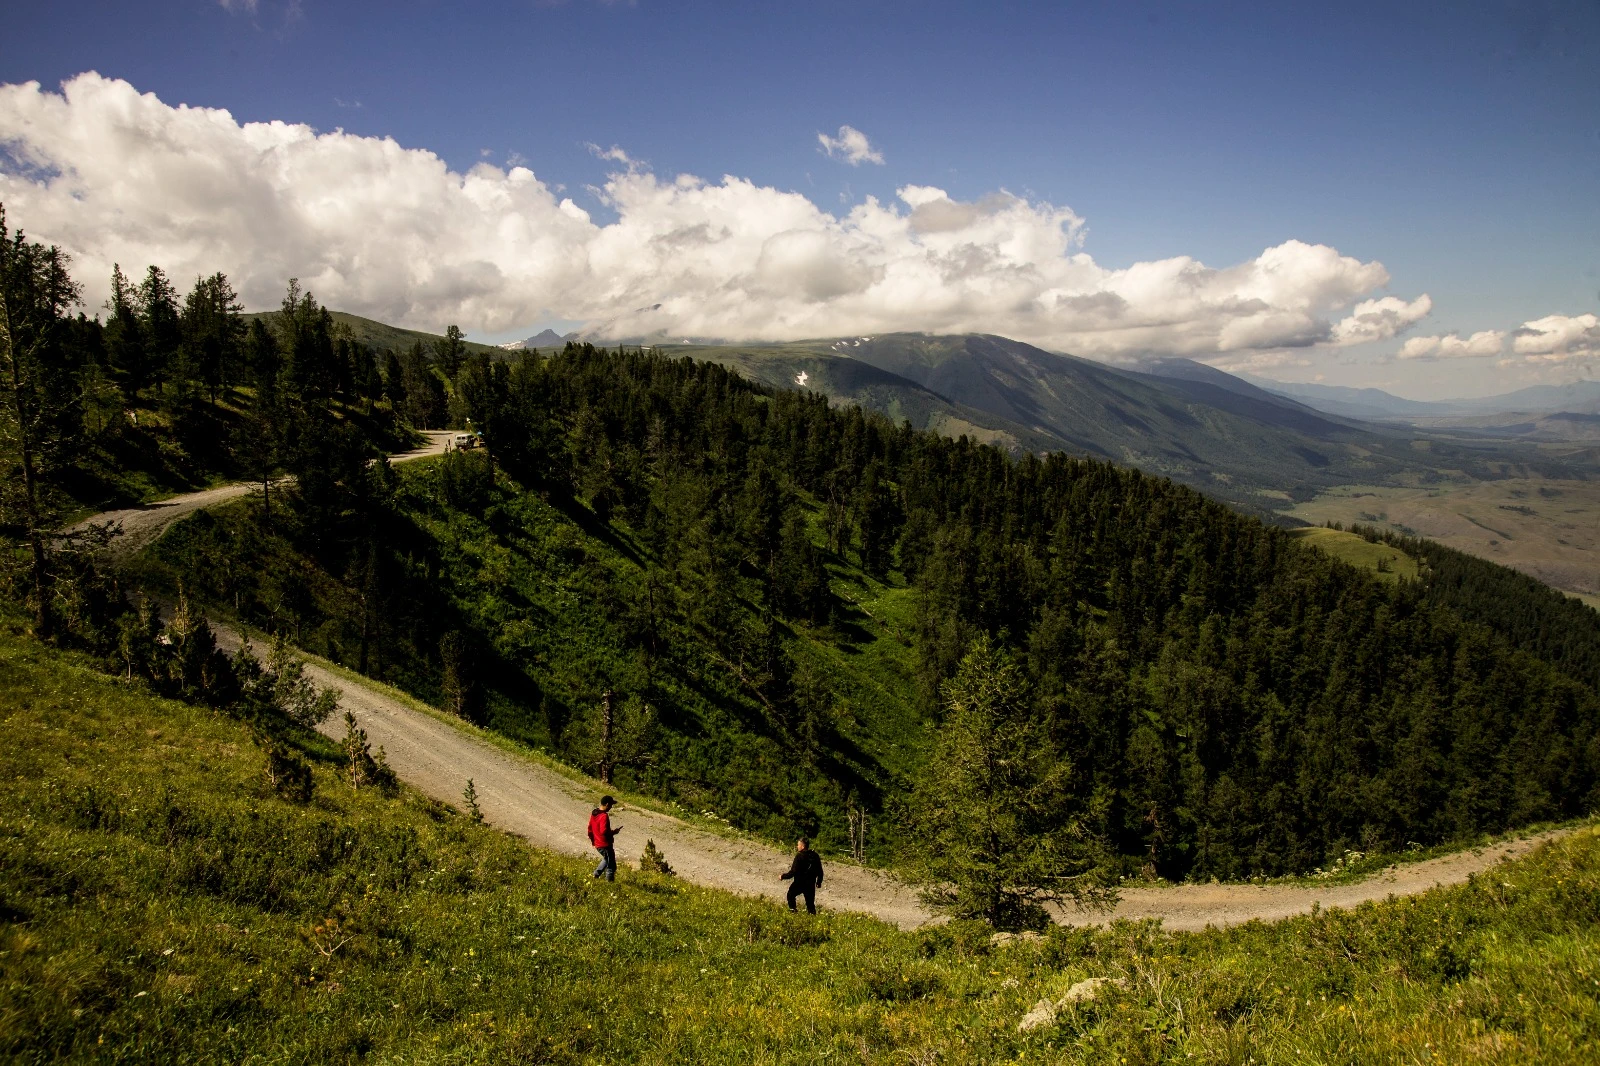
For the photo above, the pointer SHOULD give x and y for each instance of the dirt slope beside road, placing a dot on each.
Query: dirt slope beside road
(142, 525)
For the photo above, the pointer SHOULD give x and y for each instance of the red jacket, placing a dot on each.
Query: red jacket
(600, 833)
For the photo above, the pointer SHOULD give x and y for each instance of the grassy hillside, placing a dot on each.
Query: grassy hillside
(159, 902)
(1388, 563)
(150, 453)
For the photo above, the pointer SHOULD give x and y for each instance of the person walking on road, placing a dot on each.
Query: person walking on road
(603, 835)
(805, 875)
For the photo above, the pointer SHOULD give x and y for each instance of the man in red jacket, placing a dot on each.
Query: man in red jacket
(603, 835)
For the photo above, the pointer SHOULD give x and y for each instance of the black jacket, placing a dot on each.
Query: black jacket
(806, 868)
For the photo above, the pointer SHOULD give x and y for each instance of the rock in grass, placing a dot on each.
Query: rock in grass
(1042, 1014)
(1044, 1011)
(1086, 991)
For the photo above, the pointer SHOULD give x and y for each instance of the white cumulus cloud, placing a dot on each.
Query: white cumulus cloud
(1558, 339)
(1453, 346)
(851, 146)
(1381, 319)
(372, 227)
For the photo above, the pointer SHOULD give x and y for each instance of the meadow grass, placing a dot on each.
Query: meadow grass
(1388, 564)
(160, 903)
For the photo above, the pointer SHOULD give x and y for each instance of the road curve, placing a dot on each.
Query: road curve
(437, 756)
(142, 525)
(1195, 907)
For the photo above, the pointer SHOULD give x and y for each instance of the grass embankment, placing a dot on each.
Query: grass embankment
(1389, 564)
(158, 902)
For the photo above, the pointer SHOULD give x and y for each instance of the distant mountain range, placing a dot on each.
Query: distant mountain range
(1228, 436)
(1249, 441)
(1581, 397)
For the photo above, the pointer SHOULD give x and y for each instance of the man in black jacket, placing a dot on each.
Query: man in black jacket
(806, 874)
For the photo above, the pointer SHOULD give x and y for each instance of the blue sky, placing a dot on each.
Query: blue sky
(1457, 145)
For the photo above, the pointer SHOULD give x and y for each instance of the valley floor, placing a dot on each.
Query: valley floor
(1549, 529)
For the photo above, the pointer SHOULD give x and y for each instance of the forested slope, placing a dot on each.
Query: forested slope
(1231, 702)
(1531, 614)
(775, 592)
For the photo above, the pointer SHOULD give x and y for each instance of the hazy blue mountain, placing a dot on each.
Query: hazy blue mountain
(1581, 396)
(1375, 404)
(1353, 403)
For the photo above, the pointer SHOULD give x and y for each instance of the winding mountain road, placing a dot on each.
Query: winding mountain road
(437, 755)
(142, 525)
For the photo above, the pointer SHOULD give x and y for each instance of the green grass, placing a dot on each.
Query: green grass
(158, 903)
(1389, 564)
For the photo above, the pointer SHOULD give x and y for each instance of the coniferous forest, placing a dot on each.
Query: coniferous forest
(773, 594)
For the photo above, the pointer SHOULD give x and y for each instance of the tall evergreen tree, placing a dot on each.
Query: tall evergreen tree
(996, 827)
(125, 341)
(160, 323)
(40, 421)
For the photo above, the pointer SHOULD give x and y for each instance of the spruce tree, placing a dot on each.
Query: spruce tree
(995, 828)
(40, 416)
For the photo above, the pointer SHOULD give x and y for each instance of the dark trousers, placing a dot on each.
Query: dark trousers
(806, 889)
(608, 864)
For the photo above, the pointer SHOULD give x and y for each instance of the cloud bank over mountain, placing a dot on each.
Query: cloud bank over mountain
(372, 227)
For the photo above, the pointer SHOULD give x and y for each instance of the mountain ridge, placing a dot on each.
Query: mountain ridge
(1171, 417)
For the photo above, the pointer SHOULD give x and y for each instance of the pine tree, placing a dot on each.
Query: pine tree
(159, 321)
(40, 417)
(459, 683)
(450, 350)
(125, 341)
(995, 827)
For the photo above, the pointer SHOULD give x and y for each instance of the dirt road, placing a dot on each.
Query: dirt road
(142, 525)
(436, 756)
(1193, 907)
